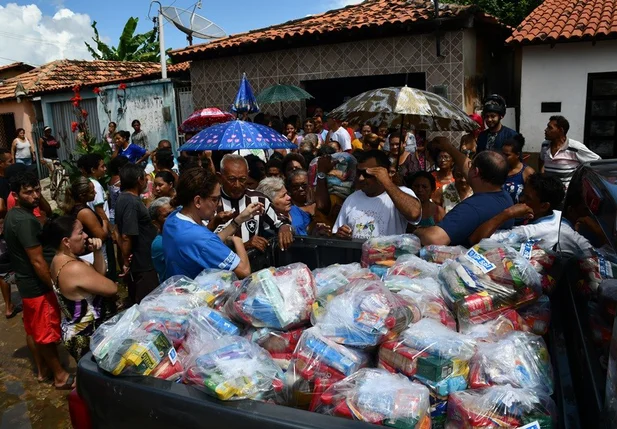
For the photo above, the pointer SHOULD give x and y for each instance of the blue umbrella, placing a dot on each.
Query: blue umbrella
(237, 135)
(245, 99)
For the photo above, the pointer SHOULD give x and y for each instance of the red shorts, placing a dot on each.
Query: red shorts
(42, 318)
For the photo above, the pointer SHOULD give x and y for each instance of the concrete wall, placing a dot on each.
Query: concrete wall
(215, 82)
(559, 74)
(24, 115)
(152, 103)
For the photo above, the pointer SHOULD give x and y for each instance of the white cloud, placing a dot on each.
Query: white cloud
(29, 36)
(335, 4)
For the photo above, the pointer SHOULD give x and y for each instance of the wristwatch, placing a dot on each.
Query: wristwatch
(321, 175)
(235, 223)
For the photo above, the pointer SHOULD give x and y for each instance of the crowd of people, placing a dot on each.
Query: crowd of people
(145, 216)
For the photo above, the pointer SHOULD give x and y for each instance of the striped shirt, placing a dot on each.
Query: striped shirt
(256, 225)
(566, 160)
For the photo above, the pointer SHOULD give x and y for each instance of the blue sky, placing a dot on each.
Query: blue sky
(234, 16)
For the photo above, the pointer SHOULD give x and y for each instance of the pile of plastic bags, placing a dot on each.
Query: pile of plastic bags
(380, 253)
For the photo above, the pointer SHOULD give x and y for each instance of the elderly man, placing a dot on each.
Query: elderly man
(235, 197)
(486, 176)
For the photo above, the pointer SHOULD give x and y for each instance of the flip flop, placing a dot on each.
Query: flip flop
(68, 384)
(16, 310)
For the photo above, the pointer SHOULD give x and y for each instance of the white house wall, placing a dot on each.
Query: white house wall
(559, 74)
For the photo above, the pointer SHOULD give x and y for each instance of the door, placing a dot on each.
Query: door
(7, 129)
(63, 114)
(601, 114)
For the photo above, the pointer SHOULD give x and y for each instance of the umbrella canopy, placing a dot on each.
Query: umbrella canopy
(200, 119)
(421, 109)
(280, 93)
(245, 99)
(237, 135)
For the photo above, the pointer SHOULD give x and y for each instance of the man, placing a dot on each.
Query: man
(48, 147)
(135, 234)
(30, 260)
(496, 133)
(560, 156)
(378, 207)
(6, 159)
(163, 145)
(338, 134)
(235, 197)
(486, 175)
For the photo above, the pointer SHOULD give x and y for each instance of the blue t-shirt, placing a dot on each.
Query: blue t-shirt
(504, 134)
(190, 248)
(469, 214)
(158, 257)
(300, 220)
(132, 152)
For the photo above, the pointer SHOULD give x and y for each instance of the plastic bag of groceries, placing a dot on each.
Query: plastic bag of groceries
(205, 325)
(379, 253)
(124, 345)
(341, 178)
(218, 282)
(493, 329)
(280, 344)
(233, 368)
(595, 269)
(537, 315)
(411, 266)
(278, 298)
(365, 314)
(426, 294)
(440, 254)
(501, 407)
(318, 362)
(378, 397)
(169, 305)
(432, 354)
(519, 359)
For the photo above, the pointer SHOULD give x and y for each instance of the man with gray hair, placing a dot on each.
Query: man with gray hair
(235, 197)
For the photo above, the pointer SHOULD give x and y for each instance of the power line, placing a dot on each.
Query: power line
(34, 40)
(18, 61)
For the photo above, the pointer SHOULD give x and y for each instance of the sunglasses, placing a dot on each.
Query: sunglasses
(361, 172)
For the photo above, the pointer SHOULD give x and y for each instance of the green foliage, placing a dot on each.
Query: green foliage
(90, 145)
(131, 46)
(511, 12)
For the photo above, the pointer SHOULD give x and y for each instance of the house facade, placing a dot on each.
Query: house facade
(568, 67)
(341, 53)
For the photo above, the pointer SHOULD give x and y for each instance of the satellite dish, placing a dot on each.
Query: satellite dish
(191, 24)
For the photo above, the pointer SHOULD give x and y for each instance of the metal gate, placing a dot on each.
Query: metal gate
(184, 102)
(62, 114)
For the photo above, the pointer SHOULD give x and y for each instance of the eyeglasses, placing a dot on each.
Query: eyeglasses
(299, 186)
(444, 158)
(364, 173)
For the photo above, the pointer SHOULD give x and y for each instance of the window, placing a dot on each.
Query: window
(601, 114)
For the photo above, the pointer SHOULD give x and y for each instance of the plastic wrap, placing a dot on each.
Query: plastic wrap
(341, 178)
(219, 283)
(183, 286)
(500, 407)
(318, 362)
(607, 300)
(378, 397)
(380, 253)
(492, 330)
(280, 344)
(366, 314)
(542, 260)
(233, 368)
(519, 359)
(594, 270)
(426, 293)
(330, 279)
(440, 254)
(205, 325)
(123, 346)
(413, 267)
(278, 298)
(538, 315)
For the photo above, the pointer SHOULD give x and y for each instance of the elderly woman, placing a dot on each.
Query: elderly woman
(274, 189)
(158, 211)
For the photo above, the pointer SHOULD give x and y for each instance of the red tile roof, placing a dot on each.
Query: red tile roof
(20, 65)
(369, 14)
(568, 20)
(64, 74)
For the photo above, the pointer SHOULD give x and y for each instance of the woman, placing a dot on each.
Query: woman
(22, 148)
(469, 142)
(399, 154)
(114, 184)
(292, 162)
(290, 132)
(139, 137)
(422, 156)
(164, 161)
(158, 211)
(454, 193)
(274, 168)
(309, 126)
(443, 176)
(82, 289)
(274, 189)
(518, 172)
(164, 183)
(134, 153)
(423, 184)
(188, 244)
(76, 200)
(109, 135)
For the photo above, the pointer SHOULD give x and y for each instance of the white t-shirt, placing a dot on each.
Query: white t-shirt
(551, 231)
(372, 216)
(342, 137)
(99, 197)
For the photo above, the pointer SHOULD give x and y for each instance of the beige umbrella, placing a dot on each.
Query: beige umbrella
(409, 106)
